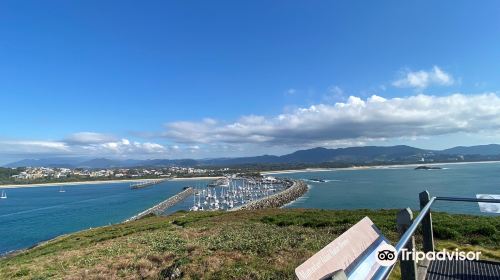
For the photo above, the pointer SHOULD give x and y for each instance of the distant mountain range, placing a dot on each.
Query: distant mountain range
(354, 155)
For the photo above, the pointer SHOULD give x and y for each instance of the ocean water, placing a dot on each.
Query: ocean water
(398, 187)
(31, 215)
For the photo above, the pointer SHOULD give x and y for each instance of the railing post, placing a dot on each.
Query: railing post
(428, 239)
(408, 267)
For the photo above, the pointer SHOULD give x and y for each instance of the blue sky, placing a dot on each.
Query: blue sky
(228, 78)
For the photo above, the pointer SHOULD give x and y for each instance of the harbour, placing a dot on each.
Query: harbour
(25, 214)
(234, 191)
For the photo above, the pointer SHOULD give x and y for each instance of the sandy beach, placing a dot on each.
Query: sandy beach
(13, 186)
(297, 170)
(197, 178)
(372, 167)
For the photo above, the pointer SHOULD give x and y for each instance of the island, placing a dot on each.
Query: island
(423, 167)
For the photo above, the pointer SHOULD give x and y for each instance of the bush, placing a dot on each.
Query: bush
(484, 230)
(445, 233)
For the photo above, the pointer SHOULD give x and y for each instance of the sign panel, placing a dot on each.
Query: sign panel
(353, 251)
(489, 207)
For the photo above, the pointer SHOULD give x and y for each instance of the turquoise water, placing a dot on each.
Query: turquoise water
(32, 215)
(398, 187)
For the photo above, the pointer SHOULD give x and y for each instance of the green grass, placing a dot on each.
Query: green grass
(265, 244)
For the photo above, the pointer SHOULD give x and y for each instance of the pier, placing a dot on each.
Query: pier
(143, 184)
(162, 206)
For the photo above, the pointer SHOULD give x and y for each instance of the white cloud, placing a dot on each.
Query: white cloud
(83, 143)
(423, 79)
(354, 121)
(123, 147)
(23, 146)
(89, 138)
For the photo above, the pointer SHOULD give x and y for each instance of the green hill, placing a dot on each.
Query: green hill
(266, 244)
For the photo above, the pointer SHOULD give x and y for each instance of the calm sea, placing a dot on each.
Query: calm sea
(398, 187)
(32, 215)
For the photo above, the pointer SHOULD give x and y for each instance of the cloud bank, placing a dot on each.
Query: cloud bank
(354, 120)
(83, 143)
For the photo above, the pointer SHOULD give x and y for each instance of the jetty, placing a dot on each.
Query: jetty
(147, 183)
(294, 190)
(162, 206)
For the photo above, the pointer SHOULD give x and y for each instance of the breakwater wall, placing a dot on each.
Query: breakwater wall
(160, 207)
(147, 183)
(296, 190)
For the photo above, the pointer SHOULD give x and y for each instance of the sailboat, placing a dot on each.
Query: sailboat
(61, 189)
(195, 207)
(4, 195)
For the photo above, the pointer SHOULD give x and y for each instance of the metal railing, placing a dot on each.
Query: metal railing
(384, 271)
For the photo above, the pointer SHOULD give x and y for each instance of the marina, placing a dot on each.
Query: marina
(230, 192)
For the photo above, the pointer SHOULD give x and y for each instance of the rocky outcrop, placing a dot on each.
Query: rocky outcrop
(424, 167)
(296, 190)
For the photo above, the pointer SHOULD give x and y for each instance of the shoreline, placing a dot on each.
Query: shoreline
(264, 173)
(196, 178)
(98, 182)
(56, 184)
(362, 167)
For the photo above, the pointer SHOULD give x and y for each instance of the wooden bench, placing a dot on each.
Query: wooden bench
(352, 255)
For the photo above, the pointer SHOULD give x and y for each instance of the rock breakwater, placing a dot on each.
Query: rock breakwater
(160, 207)
(296, 190)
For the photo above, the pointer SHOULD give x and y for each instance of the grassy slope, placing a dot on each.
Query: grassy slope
(266, 244)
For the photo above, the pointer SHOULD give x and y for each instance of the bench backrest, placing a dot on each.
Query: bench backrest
(354, 252)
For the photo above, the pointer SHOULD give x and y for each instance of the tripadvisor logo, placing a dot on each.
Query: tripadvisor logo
(386, 255)
(440, 255)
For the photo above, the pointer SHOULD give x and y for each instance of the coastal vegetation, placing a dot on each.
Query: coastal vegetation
(263, 244)
(7, 173)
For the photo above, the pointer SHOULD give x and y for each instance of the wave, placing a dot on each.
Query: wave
(325, 180)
